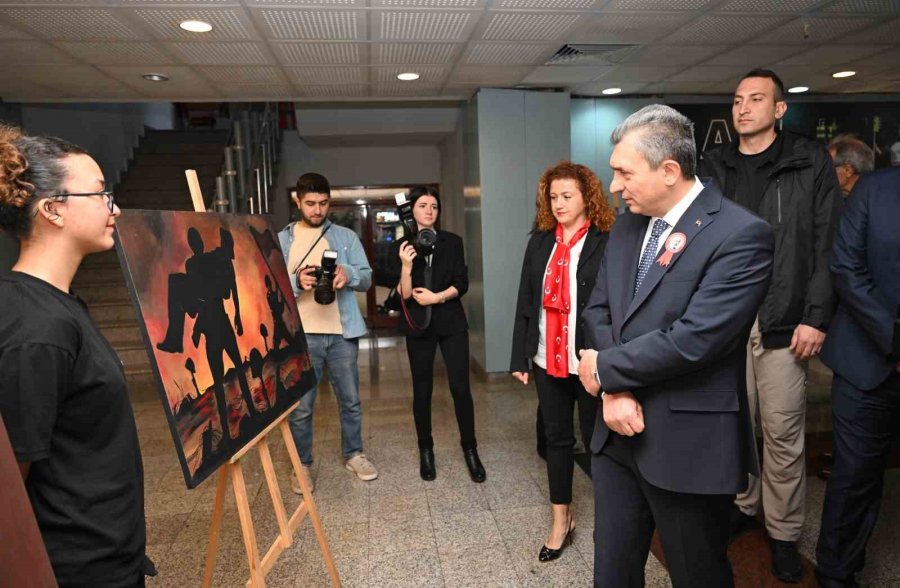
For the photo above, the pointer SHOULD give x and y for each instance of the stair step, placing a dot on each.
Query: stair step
(161, 159)
(120, 332)
(156, 137)
(163, 182)
(141, 172)
(100, 272)
(112, 312)
(104, 292)
(180, 148)
(158, 206)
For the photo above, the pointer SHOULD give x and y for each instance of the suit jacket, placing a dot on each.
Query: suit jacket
(679, 345)
(448, 268)
(865, 270)
(531, 285)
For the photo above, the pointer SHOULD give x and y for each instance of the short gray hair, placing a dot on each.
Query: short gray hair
(848, 150)
(665, 134)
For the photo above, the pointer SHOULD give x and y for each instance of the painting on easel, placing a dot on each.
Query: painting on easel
(220, 325)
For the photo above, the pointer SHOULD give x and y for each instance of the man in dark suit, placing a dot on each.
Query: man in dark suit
(678, 288)
(863, 350)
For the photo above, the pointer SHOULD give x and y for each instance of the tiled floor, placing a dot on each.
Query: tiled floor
(399, 530)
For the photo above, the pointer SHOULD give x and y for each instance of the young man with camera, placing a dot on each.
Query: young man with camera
(327, 263)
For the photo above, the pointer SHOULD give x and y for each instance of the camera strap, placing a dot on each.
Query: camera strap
(409, 319)
(311, 247)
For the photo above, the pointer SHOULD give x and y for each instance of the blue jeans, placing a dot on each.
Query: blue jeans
(339, 355)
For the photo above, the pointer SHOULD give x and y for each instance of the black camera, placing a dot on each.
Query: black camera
(323, 291)
(423, 241)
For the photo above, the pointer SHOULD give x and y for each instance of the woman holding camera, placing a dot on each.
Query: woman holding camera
(432, 280)
(558, 274)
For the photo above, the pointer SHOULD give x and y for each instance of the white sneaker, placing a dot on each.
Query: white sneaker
(360, 465)
(295, 484)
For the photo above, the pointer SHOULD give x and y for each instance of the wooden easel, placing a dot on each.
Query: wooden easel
(259, 567)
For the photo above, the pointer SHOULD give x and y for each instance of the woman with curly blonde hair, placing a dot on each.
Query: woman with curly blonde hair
(562, 257)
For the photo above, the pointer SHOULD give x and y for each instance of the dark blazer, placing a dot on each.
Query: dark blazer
(448, 268)
(680, 344)
(531, 286)
(865, 270)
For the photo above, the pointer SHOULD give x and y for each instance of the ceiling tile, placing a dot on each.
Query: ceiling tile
(711, 30)
(256, 91)
(81, 81)
(333, 91)
(33, 53)
(428, 3)
(755, 55)
(304, 3)
(400, 89)
(419, 53)
(304, 25)
(629, 28)
(241, 75)
(639, 73)
(220, 53)
(461, 91)
(884, 61)
(565, 75)
(492, 75)
(13, 88)
(115, 53)
(508, 53)
(676, 88)
(547, 4)
(183, 81)
(864, 7)
(827, 55)
(424, 25)
(10, 32)
(529, 26)
(290, 53)
(328, 75)
(73, 24)
(888, 32)
(228, 24)
(813, 30)
(655, 5)
(427, 75)
(710, 73)
(674, 54)
(786, 6)
(596, 88)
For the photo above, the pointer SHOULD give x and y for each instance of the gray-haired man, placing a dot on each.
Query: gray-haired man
(852, 158)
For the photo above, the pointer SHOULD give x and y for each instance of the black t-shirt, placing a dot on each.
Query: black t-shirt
(753, 173)
(65, 405)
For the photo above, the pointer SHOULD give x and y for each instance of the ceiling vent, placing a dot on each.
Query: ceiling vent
(592, 54)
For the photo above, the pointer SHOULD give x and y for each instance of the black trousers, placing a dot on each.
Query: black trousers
(866, 424)
(557, 397)
(455, 349)
(693, 528)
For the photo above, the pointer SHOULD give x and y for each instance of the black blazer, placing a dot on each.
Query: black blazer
(865, 271)
(531, 285)
(679, 345)
(448, 268)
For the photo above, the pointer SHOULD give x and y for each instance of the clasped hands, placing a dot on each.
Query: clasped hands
(622, 412)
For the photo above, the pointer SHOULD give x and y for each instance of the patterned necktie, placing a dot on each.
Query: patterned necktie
(650, 251)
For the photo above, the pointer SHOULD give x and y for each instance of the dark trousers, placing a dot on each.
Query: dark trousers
(557, 397)
(866, 423)
(455, 349)
(693, 528)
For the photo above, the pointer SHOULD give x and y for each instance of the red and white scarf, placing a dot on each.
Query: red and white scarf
(557, 303)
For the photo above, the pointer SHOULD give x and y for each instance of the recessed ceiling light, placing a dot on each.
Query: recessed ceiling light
(843, 74)
(611, 91)
(196, 26)
(156, 77)
(798, 90)
(408, 77)
(360, 201)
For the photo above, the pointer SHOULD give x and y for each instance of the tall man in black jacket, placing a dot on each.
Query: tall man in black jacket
(789, 181)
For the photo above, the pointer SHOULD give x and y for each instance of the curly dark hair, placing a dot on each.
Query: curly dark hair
(598, 210)
(30, 167)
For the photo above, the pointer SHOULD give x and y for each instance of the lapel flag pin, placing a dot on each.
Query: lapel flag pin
(698, 222)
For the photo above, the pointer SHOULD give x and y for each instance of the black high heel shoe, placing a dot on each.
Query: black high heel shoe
(476, 470)
(546, 554)
(426, 465)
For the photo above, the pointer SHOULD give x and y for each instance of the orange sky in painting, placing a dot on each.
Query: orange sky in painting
(156, 249)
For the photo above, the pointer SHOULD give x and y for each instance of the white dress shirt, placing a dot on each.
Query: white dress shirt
(673, 216)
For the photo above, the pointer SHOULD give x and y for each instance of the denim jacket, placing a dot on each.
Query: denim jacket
(359, 274)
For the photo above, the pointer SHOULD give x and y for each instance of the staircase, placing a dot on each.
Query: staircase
(154, 181)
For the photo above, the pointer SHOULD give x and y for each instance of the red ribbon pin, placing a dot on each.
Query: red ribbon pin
(674, 244)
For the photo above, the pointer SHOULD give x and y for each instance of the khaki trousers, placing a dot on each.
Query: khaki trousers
(776, 390)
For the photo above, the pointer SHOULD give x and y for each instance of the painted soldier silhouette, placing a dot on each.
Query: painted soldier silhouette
(201, 292)
(276, 304)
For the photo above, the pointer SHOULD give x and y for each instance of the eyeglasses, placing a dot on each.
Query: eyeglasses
(110, 200)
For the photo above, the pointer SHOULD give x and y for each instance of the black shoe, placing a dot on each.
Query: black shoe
(546, 554)
(786, 563)
(170, 346)
(829, 582)
(426, 465)
(739, 523)
(476, 470)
